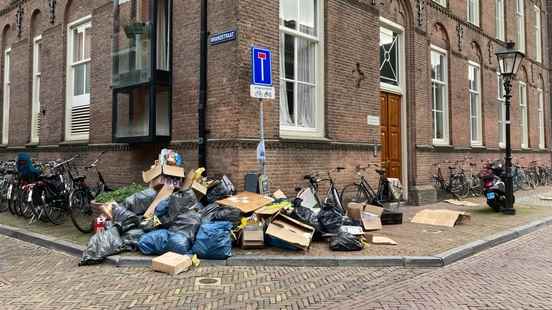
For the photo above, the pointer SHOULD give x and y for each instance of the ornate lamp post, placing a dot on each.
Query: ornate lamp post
(509, 61)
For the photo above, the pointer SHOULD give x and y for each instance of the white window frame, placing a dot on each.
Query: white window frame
(6, 97)
(473, 17)
(35, 110)
(538, 34)
(478, 113)
(542, 137)
(318, 131)
(520, 25)
(441, 2)
(445, 140)
(83, 22)
(501, 102)
(524, 115)
(499, 20)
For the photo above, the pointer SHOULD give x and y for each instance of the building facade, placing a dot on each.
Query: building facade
(406, 83)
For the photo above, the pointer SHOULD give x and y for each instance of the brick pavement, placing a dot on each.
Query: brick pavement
(32, 277)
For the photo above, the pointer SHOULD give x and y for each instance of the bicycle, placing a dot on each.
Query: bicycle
(456, 184)
(362, 191)
(332, 197)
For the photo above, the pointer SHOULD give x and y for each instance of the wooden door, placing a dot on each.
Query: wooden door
(390, 124)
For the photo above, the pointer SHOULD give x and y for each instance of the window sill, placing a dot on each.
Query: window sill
(299, 138)
(74, 142)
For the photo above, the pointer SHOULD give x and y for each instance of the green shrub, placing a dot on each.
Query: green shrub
(119, 195)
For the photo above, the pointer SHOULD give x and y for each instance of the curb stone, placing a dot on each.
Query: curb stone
(439, 260)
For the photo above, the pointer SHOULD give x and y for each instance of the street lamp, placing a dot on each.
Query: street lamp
(509, 61)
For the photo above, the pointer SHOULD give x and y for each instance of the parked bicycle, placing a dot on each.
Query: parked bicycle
(456, 185)
(311, 195)
(361, 191)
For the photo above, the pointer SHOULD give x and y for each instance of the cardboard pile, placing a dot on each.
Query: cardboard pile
(165, 179)
(292, 232)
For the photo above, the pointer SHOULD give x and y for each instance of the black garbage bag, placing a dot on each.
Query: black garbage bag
(181, 202)
(187, 224)
(330, 220)
(216, 213)
(220, 191)
(131, 238)
(124, 219)
(103, 244)
(306, 216)
(344, 241)
(139, 202)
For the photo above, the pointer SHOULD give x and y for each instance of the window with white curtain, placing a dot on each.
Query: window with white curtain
(538, 34)
(520, 25)
(501, 103)
(35, 116)
(301, 105)
(474, 78)
(473, 12)
(540, 95)
(522, 95)
(499, 8)
(439, 86)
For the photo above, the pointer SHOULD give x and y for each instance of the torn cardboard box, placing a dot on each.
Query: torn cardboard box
(171, 263)
(165, 192)
(246, 202)
(290, 231)
(370, 221)
(159, 175)
(446, 218)
(354, 209)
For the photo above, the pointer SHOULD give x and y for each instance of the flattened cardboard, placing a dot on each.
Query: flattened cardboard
(163, 194)
(382, 240)
(171, 263)
(246, 202)
(370, 221)
(200, 189)
(446, 218)
(269, 210)
(291, 231)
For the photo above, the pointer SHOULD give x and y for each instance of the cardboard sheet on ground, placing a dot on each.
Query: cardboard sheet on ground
(246, 202)
(463, 203)
(446, 218)
(370, 221)
(382, 240)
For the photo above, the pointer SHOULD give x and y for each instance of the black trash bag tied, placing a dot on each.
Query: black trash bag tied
(330, 219)
(103, 244)
(131, 238)
(306, 216)
(220, 191)
(344, 241)
(216, 213)
(140, 202)
(187, 224)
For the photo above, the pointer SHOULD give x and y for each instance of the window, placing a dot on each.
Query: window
(6, 105)
(389, 57)
(540, 95)
(501, 101)
(439, 87)
(441, 2)
(524, 129)
(538, 34)
(520, 25)
(473, 12)
(35, 116)
(78, 80)
(301, 110)
(500, 20)
(474, 78)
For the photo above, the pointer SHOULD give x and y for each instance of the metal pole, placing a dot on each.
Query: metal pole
(261, 123)
(509, 207)
(202, 106)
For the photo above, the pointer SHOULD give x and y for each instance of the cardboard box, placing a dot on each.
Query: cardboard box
(370, 221)
(290, 231)
(199, 189)
(446, 218)
(171, 263)
(354, 209)
(252, 237)
(157, 170)
(246, 202)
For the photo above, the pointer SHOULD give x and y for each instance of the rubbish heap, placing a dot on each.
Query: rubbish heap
(189, 214)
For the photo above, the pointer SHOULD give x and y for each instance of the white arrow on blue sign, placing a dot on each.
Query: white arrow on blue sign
(261, 65)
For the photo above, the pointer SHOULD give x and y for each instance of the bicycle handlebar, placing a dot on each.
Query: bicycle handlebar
(66, 162)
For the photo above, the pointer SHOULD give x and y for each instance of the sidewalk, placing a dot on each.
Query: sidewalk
(413, 239)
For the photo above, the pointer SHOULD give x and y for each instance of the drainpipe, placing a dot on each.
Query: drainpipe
(202, 106)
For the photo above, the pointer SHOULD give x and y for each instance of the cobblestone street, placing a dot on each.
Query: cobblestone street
(515, 275)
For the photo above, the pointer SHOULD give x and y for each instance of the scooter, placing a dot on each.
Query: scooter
(493, 186)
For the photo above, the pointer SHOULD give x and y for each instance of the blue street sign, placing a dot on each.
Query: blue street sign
(219, 38)
(261, 66)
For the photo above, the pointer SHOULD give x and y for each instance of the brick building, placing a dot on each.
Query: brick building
(409, 82)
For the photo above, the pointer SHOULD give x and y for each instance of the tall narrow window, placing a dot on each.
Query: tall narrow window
(439, 87)
(6, 105)
(301, 109)
(524, 129)
(78, 80)
(473, 12)
(35, 117)
(520, 25)
(542, 143)
(538, 35)
(474, 78)
(500, 20)
(389, 57)
(501, 102)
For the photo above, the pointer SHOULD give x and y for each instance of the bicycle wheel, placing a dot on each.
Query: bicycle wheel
(3, 197)
(25, 206)
(54, 210)
(459, 187)
(81, 211)
(11, 198)
(354, 193)
(476, 188)
(523, 181)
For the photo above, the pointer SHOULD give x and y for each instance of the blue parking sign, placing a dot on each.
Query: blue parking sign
(261, 66)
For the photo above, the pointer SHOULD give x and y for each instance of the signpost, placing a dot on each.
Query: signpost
(261, 88)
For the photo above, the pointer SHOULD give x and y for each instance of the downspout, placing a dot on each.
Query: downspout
(202, 106)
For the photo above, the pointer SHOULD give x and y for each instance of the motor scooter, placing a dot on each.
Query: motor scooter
(493, 186)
